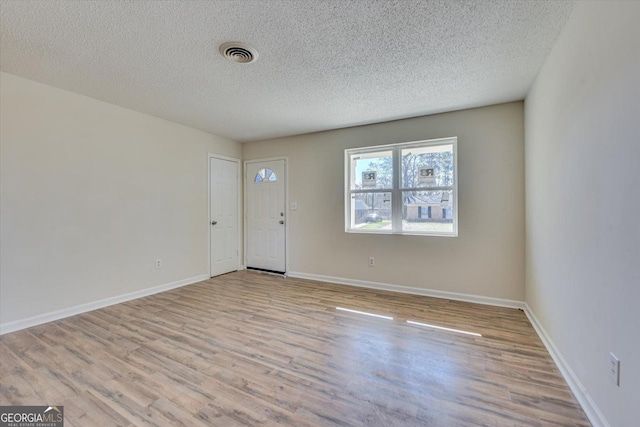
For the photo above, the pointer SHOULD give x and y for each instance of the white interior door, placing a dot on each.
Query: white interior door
(223, 175)
(265, 214)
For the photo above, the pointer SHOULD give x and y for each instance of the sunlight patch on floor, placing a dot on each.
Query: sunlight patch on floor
(442, 328)
(364, 313)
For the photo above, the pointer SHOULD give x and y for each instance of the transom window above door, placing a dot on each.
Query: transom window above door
(265, 175)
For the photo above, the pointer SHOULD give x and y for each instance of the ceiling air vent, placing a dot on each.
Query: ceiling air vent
(238, 52)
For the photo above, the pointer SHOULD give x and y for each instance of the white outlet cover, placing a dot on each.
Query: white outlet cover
(614, 369)
(293, 206)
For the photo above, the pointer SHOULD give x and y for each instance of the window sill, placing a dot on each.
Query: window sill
(402, 233)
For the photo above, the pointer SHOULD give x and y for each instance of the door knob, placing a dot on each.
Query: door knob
(281, 222)
(214, 222)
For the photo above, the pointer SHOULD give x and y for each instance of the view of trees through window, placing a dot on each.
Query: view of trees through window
(425, 186)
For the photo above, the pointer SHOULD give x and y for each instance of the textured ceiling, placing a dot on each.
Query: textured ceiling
(322, 65)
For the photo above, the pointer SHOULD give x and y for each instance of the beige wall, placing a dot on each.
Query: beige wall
(91, 195)
(583, 159)
(488, 256)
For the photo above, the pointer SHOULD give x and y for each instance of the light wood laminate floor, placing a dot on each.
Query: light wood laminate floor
(254, 349)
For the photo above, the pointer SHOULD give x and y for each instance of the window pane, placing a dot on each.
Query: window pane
(372, 170)
(427, 166)
(270, 176)
(427, 211)
(265, 175)
(371, 211)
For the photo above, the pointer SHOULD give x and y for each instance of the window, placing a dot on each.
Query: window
(407, 188)
(265, 175)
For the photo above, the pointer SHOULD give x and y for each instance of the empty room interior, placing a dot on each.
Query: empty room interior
(320, 213)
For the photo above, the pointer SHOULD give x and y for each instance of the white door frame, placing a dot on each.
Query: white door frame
(286, 208)
(237, 161)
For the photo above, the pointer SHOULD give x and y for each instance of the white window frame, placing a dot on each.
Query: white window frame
(396, 191)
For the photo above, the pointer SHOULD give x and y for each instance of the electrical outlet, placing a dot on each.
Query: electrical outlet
(372, 261)
(614, 369)
(159, 263)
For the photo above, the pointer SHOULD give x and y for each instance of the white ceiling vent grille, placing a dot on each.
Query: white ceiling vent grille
(238, 52)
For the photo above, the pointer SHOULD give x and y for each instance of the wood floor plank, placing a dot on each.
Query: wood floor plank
(255, 349)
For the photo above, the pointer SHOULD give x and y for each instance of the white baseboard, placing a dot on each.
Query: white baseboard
(582, 396)
(17, 325)
(500, 302)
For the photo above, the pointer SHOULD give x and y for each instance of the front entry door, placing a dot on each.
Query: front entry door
(223, 175)
(265, 186)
